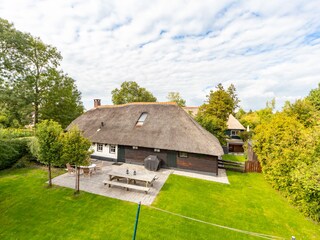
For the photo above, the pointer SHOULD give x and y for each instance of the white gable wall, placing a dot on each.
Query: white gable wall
(105, 151)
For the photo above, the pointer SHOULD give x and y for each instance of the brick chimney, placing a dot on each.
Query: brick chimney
(96, 103)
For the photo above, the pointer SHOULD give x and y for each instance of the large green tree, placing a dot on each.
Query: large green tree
(304, 111)
(27, 68)
(75, 150)
(235, 100)
(62, 101)
(49, 152)
(131, 92)
(175, 97)
(289, 153)
(213, 114)
(314, 97)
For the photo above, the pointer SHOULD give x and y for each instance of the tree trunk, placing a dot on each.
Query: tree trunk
(49, 174)
(77, 180)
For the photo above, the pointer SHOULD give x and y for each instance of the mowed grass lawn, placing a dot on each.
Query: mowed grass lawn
(30, 210)
(232, 157)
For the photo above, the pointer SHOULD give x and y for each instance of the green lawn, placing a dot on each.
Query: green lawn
(29, 210)
(236, 158)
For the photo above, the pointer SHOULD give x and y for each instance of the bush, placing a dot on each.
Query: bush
(11, 151)
(289, 154)
(9, 133)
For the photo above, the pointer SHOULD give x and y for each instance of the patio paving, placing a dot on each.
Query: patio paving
(94, 184)
(221, 178)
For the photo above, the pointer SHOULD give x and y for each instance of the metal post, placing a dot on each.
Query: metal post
(136, 223)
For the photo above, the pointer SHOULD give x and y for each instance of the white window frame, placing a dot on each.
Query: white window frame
(234, 133)
(183, 154)
(99, 147)
(112, 149)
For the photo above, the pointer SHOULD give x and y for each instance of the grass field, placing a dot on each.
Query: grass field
(30, 210)
(236, 158)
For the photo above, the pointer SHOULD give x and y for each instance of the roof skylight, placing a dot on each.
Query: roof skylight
(141, 119)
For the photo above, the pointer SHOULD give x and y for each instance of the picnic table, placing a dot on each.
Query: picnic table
(131, 179)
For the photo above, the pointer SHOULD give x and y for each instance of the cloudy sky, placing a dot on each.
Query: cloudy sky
(267, 49)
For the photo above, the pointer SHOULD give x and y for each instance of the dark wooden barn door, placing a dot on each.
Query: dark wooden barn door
(172, 159)
(121, 154)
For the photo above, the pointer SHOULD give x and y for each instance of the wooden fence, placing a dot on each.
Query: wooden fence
(247, 166)
(252, 166)
(231, 165)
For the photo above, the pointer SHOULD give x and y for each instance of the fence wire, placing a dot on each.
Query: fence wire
(255, 234)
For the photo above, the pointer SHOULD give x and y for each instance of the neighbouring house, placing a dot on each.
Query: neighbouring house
(131, 132)
(234, 129)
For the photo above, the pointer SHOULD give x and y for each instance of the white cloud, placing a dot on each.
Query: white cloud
(268, 49)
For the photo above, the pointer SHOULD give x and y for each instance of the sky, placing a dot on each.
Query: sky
(267, 49)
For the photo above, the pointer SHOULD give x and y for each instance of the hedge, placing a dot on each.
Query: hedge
(11, 150)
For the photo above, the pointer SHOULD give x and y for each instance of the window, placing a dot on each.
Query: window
(141, 119)
(99, 147)
(234, 133)
(157, 150)
(112, 149)
(183, 154)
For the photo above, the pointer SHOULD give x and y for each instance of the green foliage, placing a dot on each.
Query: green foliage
(314, 97)
(9, 133)
(213, 114)
(62, 102)
(33, 146)
(131, 92)
(75, 150)
(303, 111)
(289, 156)
(48, 133)
(31, 87)
(254, 118)
(175, 97)
(235, 100)
(75, 147)
(11, 150)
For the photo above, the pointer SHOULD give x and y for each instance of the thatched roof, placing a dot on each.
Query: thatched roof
(167, 126)
(234, 124)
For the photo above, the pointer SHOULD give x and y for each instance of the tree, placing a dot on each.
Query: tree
(48, 133)
(27, 68)
(75, 150)
(213, 114)
(131, 92)
(314, 97)
(62, 102)
(304, 111)
(175, 97)
(232, 93)
(289, 154)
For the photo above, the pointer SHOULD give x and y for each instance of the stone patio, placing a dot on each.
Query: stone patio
(94, 184)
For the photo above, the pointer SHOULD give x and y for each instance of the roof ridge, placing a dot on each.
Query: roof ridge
(137, 103)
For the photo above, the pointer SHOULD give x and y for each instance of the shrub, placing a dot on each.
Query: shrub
(289, 154)
(11, 150)
(9, 133)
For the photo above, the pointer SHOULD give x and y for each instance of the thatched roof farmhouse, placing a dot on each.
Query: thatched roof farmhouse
(131, 132)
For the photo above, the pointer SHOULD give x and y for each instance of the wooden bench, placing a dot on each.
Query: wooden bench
(127, 186)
